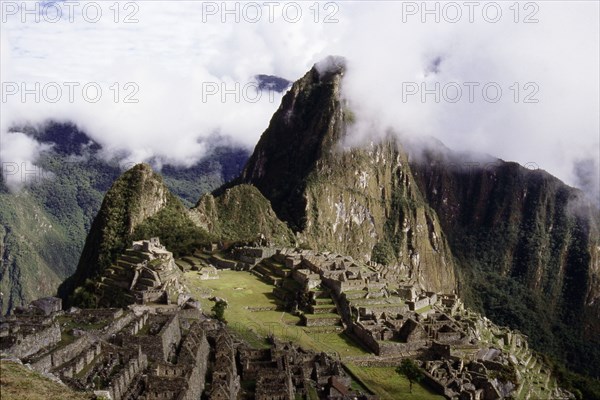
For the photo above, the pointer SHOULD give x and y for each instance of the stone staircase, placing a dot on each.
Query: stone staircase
(271, 271)
(322, 312)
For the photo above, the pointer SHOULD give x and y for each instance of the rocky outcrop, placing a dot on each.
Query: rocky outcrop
(138, 204)
(241, 214)
(357, 201)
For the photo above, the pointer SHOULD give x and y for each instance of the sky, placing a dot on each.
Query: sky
(154, 79)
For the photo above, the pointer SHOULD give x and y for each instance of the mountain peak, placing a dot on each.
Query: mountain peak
(305, 128)
(135, 196)
(331, 66)
(361, 202)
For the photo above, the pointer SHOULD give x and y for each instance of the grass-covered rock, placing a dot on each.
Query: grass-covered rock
(241, 214)
(137, 206)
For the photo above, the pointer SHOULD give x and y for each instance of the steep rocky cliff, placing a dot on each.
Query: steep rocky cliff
(519, 244)
(357, 201)
(528, 245)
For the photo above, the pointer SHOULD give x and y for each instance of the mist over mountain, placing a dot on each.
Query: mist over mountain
(48, 207)
(516, 243)
(524, 243)
(412, 185)
(549, 61)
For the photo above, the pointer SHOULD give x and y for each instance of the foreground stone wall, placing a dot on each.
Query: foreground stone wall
(119, 385)
(170, 335)
(195, 351)
(25, 345)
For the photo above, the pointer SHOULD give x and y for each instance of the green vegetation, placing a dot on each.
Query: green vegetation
(32, 244)
(583, 387)
(221, 165)
(388, 385)
(242, 290)
(552, 326)
(138, 206)
(383, 253)
(84, 295)
(20, 383)
(412, 372)
(525, 244)
(174, 228)
(218, 310)
(44, 226)
(242, 214)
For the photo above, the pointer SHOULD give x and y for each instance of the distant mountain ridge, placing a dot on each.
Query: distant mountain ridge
(272, 82)
(43, 227)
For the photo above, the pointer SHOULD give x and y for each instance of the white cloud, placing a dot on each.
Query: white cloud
(171, 53)
(16, 155)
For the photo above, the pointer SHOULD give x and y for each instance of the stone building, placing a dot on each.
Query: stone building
(125, 354)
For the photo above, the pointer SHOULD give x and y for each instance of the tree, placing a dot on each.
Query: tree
(412, 372)
(218, 310)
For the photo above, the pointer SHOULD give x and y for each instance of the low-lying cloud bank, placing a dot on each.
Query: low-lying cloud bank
(518, 82)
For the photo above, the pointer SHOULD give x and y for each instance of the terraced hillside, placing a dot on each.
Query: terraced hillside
(276, 296)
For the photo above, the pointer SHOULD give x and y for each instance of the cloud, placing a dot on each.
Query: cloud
(17, 155)
(554, 62)
(587, 174)
(178, 51)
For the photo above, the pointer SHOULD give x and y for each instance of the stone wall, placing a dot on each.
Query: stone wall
(225, 380)
(117, 325)
(70, 351)
(170, 335)
(27, 344)
(327, 321)
(137, 324)
(78, 363)
(195, 351)
(153, 296)
(365, 338)
(120, 383)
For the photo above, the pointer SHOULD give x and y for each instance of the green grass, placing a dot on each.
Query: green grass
(324, 305)
(20, 383)
(422, 310)
(242, 289)
(67, 324)
(321, 316)
(387, 384)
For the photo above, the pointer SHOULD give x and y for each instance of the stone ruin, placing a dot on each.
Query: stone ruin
(120, 354)
(394, 317)
(166, 353)
(144, 273)
(173, 351)
(286, 371)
